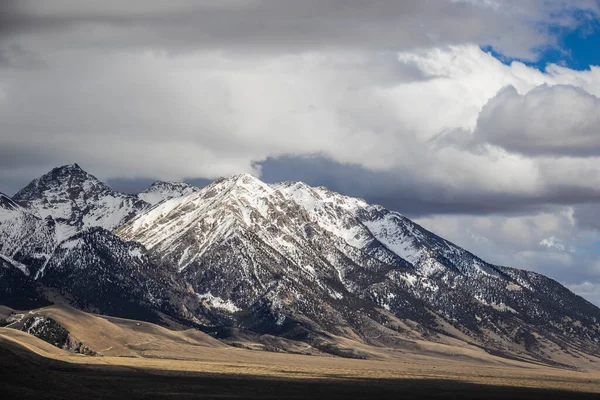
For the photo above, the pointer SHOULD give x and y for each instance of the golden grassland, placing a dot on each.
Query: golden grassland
(140, 345)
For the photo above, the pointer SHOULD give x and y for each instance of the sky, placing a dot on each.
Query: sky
(479, 119)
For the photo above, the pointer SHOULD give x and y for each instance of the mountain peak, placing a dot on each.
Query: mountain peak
(283, 254)
(70, 178)
(76, 199)
(73, 166)
(69, 170)
(237, 179)
(244, 182)
(286, 251)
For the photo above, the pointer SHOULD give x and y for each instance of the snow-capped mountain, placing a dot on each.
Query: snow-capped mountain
(239, 240)
(92, 269)
(160, 191)
(290, 255)
(286, 259)
(76, 200)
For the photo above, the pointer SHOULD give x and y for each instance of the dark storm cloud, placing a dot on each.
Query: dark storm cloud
(129, 186)
(290, 25)
(410, 194)
(12, 55)
(587, 215)
(8, 15)
(11, 186)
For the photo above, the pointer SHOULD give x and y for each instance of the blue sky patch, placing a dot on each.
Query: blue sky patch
(576, 49)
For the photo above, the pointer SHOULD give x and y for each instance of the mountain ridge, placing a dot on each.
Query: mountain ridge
(287, 259)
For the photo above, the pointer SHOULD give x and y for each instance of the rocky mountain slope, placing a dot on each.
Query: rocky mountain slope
(287, 259)
(98, 272)
(25, 237)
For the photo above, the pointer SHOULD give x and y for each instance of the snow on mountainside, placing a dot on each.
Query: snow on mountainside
(54, 240)
(362, 225)
(243, 241)
(213, 213)
(76, 200)
(26, 242)
(24, 237)
(188, 227)
(161, 191)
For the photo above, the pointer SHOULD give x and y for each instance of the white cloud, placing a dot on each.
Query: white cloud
(553, 243)
(557, 120)
(211, 113)
(493, 234)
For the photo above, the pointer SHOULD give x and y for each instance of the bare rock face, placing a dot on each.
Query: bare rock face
(26, 240)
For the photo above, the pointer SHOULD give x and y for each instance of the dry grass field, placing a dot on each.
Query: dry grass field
(143, 352)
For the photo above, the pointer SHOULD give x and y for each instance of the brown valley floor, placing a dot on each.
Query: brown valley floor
(141, 360)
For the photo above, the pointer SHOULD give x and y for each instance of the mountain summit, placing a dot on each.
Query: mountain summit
(77, 200)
